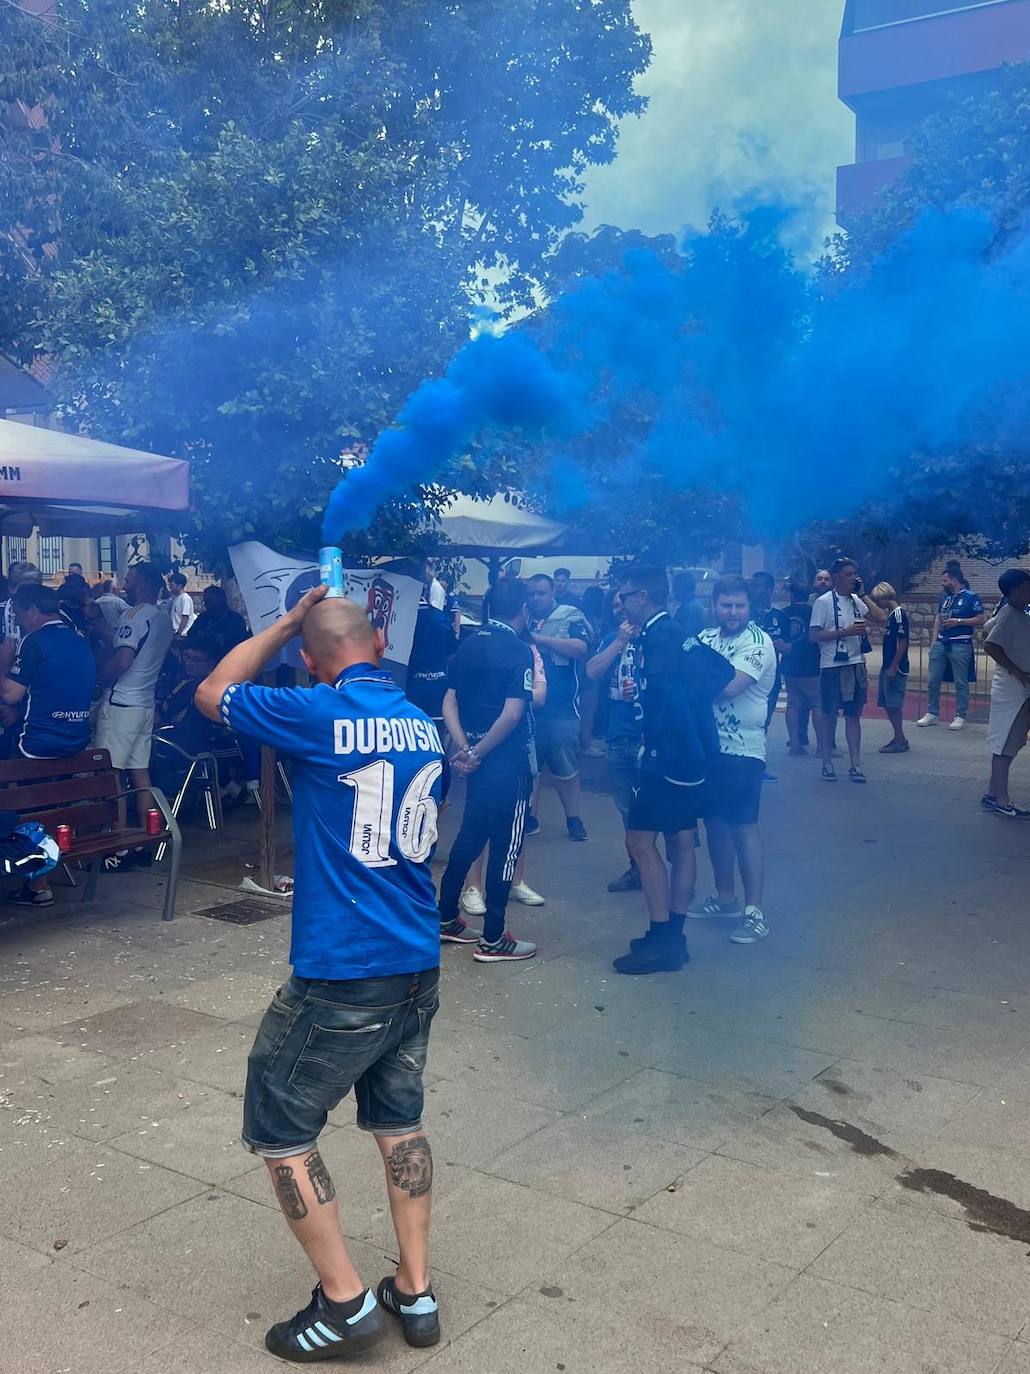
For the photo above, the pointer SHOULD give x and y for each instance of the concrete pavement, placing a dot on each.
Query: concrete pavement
(804, 1157)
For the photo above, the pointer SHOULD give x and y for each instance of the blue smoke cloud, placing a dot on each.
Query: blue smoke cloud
(756, 382)
(501, 383)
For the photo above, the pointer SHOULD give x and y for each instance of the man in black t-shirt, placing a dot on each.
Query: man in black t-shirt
(489, 687)
(217, 628)
(681, 679)
(431, 651)
(800, 669)
(563, 636)
(895, 665)
(562, 595)
(775, 624)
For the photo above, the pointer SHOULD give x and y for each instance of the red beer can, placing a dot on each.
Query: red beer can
(154, 823)
(63, 836)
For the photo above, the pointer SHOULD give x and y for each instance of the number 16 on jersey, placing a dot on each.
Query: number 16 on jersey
(373, 828)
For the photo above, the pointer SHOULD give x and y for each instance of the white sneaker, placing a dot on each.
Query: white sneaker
(752, 929)
(928, 719)
(522, 892)
(959, 723)
(506, 950)
(472, 902)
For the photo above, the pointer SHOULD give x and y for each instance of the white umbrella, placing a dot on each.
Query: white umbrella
(495, 526)
(66, 484)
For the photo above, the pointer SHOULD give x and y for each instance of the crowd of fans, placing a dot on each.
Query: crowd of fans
(115, 667)
(683, 693)
(567, 677)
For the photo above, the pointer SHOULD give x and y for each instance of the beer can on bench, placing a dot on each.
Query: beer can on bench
(154, 823)
(63, 836)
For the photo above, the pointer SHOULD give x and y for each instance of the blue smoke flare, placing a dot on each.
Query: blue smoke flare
(502, 383)
(753, 380)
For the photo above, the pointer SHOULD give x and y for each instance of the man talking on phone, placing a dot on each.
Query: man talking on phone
(839, 627)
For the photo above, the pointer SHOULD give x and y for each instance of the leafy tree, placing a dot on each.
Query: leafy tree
(973, 156)
(975, 153)
(883, 552)
(666, 341)
(246, 231)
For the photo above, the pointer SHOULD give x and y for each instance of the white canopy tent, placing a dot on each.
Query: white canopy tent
(66, 484)
(495, 528)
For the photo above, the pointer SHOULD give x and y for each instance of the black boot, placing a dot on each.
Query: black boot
(656, 952)
(626, 882)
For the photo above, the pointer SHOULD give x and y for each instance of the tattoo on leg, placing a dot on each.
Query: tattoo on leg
(411, 1166)
(320, 1178)
(288, 1193)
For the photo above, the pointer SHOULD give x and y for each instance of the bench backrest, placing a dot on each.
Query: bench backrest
(79, 791)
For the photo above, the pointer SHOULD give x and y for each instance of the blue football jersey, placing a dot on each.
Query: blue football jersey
(963, 605)
(56, 666)
(366, 791)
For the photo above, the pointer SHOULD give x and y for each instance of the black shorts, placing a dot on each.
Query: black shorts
(734, 789)
(659, 805)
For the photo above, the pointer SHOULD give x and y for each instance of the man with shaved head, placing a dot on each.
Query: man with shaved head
(365, 951)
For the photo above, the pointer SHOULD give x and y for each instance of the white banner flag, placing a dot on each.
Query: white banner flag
(271, 584)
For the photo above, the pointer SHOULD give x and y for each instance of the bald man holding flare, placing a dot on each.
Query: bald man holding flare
(365, 952)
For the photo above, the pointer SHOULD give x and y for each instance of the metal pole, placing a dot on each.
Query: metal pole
(267, 837)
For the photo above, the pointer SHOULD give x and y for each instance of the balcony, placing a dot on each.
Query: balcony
(935, 48)
(860, 183)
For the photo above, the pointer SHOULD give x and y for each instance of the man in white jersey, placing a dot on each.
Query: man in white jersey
(126, 720)
(735, 777)
(180, 605)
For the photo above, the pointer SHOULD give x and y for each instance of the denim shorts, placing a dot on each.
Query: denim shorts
(623, 772)
(803, 692)
(891, 693)
(320, 1039)
(557, 744)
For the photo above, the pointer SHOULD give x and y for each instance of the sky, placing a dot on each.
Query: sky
(743, 109)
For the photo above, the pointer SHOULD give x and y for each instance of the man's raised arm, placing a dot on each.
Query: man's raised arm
(246, 661)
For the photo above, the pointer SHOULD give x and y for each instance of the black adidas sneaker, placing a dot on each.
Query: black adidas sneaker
(419, 1316)
(315, 1334)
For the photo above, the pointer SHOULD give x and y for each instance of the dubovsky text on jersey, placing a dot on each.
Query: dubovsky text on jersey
(375, 735)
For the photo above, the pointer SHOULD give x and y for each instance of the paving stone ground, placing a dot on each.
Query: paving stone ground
(806, 1157)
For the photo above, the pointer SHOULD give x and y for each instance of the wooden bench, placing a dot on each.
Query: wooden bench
(85, 793)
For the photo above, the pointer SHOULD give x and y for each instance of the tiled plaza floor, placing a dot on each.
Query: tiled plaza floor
(806, 1157)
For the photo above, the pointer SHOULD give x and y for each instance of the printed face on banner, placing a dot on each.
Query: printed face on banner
(379, 605)
(372, 589)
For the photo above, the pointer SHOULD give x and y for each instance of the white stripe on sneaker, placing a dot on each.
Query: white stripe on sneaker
(420, 1307)
(366, 1307)
(313, 1335)
(303, 1343)
(321, 1326)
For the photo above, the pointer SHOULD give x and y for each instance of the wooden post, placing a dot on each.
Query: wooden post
(267, 861)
